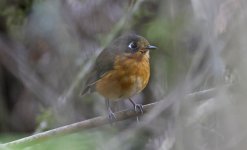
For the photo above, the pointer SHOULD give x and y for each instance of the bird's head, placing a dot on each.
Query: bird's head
(133, 45)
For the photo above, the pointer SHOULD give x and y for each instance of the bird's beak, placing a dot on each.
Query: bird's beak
(150, 47)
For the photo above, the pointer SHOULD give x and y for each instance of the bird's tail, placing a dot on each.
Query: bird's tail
(85, 91)
(88, 89)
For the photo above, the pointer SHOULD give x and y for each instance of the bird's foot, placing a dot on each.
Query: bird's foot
(111, 116)
(138, 108)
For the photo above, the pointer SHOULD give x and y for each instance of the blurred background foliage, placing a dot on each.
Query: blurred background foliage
(47, 47)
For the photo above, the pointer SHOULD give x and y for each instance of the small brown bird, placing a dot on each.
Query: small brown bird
(121, 70)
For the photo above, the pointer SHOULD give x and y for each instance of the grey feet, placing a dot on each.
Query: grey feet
(111, 115)
(137, 107)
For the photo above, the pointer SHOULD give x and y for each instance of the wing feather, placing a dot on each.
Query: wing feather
(103, 64)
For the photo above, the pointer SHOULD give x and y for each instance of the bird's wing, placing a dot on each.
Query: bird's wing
(103, 64)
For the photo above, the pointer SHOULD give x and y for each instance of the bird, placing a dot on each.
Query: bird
(121, 71)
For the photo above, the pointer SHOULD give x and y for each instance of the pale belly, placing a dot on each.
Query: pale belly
(136, 85)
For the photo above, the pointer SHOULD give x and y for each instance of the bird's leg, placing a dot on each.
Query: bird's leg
(111, 115)
(137, 107)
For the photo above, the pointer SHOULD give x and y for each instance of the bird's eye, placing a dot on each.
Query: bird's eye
(133, 45)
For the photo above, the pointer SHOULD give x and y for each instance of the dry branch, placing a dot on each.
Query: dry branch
(92, 123)
(72, 128)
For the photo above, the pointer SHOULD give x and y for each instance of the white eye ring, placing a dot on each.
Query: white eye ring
(132, 45)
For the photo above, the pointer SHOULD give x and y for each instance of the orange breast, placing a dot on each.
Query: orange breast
(129, 77)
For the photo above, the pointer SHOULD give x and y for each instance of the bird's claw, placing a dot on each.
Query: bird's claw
(138, 108)
(111, 116)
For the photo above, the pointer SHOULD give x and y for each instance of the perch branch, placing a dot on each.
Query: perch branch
(72, 128)
(91, 123)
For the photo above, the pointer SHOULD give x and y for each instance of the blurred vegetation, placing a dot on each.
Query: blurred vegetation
(79, 141)
(47, 47)
(14, 15)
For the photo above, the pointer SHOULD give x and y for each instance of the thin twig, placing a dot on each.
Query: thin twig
(90, 123)
(72, 128)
